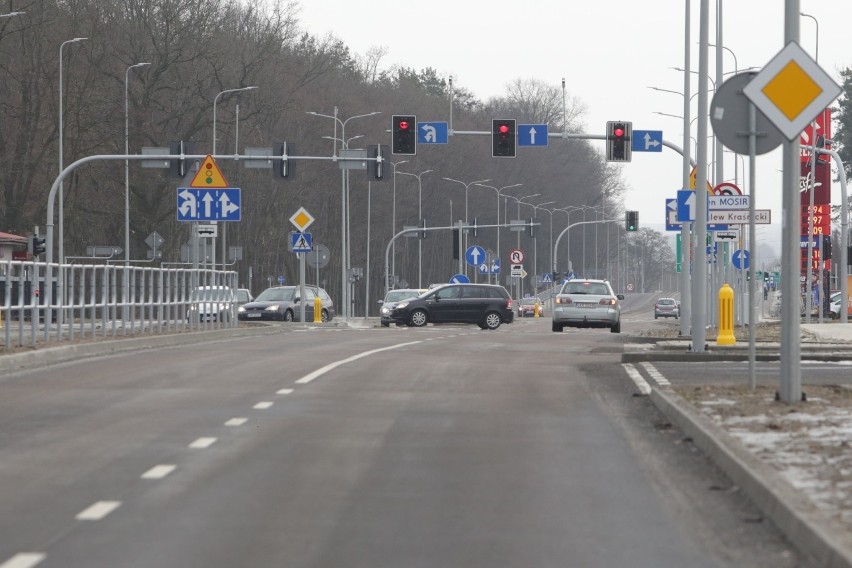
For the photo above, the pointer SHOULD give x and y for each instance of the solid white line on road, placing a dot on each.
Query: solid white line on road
(203, 443)
(331, 366)
(643, 386)
(263, 405)
(98, 511)
(24, 560)
(655, 374)
(159, 471)
(285, 391)
(236, 421)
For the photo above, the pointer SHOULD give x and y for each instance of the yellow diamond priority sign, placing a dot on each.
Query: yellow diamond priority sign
(301, 219)
(791, 90)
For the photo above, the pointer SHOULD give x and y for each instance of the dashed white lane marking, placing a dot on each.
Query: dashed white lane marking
(159, 471)
(24, 560)
(236, 421)
(323, 370)
(285, 391)
(655, 374)
(634, 374)
(203, 443)
(263, 405)
(98, 511)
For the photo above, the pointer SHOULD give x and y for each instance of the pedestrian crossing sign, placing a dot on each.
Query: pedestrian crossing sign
(301, 242)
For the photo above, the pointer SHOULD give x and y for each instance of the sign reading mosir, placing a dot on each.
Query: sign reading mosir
(719, 202)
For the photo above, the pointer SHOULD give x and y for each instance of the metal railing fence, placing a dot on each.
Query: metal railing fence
(85, 301)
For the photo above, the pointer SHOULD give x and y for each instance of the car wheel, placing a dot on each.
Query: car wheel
(288, 315)
(492, 320)
(556, 327)
(616, 328)
(655, 316)
(418, 318)
(384, 324)
(324, 316)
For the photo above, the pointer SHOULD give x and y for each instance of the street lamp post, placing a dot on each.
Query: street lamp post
(344, 240)
(61, 158)
(393, 226)
(466, 219)
(127, 163)
(811, 192)
(535, 239)
(419, 221)
(224, 225)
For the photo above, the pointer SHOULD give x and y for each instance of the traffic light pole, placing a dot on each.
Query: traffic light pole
(424, 229)
(568, 239)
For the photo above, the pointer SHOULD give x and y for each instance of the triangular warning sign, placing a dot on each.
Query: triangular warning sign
(693, 180)
(209, 175)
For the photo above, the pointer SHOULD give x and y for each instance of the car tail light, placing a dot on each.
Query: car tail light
(563, 300)
(608, 302)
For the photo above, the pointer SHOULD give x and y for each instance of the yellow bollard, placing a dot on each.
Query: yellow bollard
(317, 310)
(726, 316)
(536, 307)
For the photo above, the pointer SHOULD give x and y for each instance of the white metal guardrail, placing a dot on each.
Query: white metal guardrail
(85, 301)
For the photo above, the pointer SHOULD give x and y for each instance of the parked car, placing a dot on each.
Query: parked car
(529, 307)
(211, 303)
(587, 303)
(281, 303)
(392, 298)
(834, 305)
(486, 305)
(666, 308)
(243, 296)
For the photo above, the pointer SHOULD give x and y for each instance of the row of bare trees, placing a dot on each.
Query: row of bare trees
(199, 48)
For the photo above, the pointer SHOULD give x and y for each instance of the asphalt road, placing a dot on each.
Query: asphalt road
(442, 446)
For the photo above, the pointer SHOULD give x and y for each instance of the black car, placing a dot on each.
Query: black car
(282, 303)
(486, 305)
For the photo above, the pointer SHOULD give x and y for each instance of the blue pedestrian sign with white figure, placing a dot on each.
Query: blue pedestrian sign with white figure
(301, 242)
(474, 255)
(647, 141)
(459, 279)
(432, 133)
(205, 204)
(532, 135)
(740, 259)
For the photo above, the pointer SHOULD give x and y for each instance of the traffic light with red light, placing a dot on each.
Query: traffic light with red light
(503, 132)
(618, 145)
(404, 132)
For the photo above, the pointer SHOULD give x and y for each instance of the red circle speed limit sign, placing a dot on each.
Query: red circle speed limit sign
(516, 256)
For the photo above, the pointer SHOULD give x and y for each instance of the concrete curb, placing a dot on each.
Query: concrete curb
(45, 356)
(805, 525)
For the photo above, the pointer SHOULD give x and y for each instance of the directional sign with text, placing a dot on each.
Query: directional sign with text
(432, 133)
(671, 215)
(474, 255)
(761, 217)
(647, 141)
(196, 204)
(532, 135)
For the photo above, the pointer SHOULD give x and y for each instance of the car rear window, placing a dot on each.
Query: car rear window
(666, 302)
(595, 288)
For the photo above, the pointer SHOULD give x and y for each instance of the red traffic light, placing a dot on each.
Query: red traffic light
(403, 125)
(619, 132)
(504, 129)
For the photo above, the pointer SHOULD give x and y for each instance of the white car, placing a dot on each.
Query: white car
(587, 303)
(211, 303)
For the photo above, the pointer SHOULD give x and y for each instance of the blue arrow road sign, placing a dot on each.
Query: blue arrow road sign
(459, 279)
(532, 135)
(208, 204)
(740, 259)
(495, 266)
(474, 255)
(432, 133)
(647, 141)
(685, 205)
(301, 242)
(671, 215)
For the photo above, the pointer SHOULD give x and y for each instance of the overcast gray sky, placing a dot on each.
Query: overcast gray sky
(608, 51)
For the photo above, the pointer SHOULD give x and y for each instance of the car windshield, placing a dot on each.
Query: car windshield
(276, 295)
(399, 295)
(242, 295)
(207, 295)
(596, 288)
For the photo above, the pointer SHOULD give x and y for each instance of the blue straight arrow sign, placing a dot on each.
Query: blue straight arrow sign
(532, 135)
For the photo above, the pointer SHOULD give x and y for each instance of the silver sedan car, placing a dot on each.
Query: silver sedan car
(587, 303)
